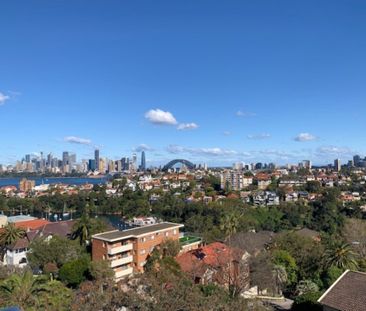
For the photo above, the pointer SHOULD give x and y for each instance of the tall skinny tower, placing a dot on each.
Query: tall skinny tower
(96, 158)
(143, 161)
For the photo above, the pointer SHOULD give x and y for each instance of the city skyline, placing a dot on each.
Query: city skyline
(69, 162)
(201, 81)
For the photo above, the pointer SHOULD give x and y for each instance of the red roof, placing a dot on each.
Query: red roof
(31, 224)
(214, 254)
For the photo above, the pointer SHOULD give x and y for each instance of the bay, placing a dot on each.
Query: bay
(14, 181)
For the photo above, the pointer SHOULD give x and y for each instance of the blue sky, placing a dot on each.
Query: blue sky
(210, 81)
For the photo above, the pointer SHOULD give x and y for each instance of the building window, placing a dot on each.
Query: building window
(142, 252)
(152, 237)
(166, 233)
(175, 232)
(104, 244)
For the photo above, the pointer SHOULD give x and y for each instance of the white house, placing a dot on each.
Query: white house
(16, 254)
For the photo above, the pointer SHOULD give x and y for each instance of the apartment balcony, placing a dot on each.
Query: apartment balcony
(121, 261)
(122, 273)
(120, 249)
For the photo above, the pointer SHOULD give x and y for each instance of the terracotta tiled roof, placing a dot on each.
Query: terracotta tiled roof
(348, 293)
(215, 255)
(31, 224)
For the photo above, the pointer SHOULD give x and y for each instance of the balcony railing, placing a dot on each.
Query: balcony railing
(121, 261)
(123, 273)
(120, 249)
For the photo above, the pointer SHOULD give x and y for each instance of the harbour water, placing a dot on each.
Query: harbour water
(14, 181)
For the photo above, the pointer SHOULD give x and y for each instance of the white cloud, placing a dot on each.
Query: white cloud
(187, 126)
(227, 133)
(241, 113)
(77, 140)
(273, 154)
(334, 150)
(143, 147)
(259, 136)
(215, 151)
(3, 98)
(158, 116)
(304, 137)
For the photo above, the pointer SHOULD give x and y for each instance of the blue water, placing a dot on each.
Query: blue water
(54, 180)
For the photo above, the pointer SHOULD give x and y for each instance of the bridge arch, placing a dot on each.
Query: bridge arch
(187, 163)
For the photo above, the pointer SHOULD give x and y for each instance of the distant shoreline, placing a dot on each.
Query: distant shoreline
(14, 181)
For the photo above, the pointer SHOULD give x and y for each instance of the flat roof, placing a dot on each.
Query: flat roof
(116, 235)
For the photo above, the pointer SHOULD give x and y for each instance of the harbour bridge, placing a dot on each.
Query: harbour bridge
(187, 163)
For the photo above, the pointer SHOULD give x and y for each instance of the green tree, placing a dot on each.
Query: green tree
(331, 275)
(162, 260)
(22, 290)
(102, 273)
(56, 296)
(313, 186)
(229, 224)
(10, 234)
(306, 252)
(284, 259)
(341, 256)
(307, 302)
(58, 251)
(280, 277)
(85, 227)
(305, 287)
(74, 272)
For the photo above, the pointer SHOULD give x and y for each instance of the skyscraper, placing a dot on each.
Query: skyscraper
(49, 160)
(133, 163)
(96, 158)
(356, 160)
(337, 165)
(72, 159)
(125, 164)
(91, 165)
(143, 161)
(65, 158)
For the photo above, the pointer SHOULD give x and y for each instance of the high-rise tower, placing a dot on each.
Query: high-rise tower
(143, 161)
(96, 158)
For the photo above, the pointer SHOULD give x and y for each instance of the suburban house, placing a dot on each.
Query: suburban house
(216, 263)
(348, 293)
(128, 250)
(266, 198)
(16, 254)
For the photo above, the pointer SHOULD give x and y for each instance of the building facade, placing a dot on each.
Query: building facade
(128, 250)
(235, 180)
(26, 185)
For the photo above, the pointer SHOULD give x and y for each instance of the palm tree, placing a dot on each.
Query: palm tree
(280, 277)
(82, 229)
(56, 297)
(22, 289)
(85, 227)
(229, 224)
(341, 256)
(11, 234)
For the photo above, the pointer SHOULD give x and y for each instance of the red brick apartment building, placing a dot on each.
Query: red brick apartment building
(128, 250)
